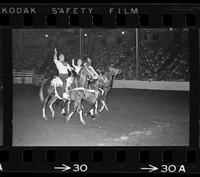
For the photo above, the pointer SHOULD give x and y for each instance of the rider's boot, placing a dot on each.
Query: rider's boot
(66, 91)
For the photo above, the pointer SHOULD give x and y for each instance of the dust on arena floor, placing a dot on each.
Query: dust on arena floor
(135, 118)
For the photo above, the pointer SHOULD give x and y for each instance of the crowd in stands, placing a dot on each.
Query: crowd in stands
(157, 60)
(122, 55)
(167, 62)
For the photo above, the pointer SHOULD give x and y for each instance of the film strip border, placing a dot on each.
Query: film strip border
(104, 159)
(96, 159)
(91, 16)
(98, 20)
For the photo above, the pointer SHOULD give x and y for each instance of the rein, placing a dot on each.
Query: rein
(87, 71)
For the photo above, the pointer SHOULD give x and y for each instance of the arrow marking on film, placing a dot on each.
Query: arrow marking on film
(151, 168)
(63, 168)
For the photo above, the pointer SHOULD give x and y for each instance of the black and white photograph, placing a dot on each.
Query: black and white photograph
(101, 87)
(1, 93)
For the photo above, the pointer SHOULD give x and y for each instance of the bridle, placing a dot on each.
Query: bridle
(90, 71)
(87, 71)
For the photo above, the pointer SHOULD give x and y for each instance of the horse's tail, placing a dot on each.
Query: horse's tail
(41, 94)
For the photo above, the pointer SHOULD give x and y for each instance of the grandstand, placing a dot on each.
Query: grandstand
(163, 55)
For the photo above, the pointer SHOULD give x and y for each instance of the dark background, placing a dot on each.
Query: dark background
(163, 53)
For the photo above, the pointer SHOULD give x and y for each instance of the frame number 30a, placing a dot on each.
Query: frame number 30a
(173, 169)
(80, 168)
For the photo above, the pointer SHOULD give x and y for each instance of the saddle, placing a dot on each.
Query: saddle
(56, 82)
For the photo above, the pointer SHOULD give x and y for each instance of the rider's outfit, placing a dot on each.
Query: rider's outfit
(76, 68)
(63, 69)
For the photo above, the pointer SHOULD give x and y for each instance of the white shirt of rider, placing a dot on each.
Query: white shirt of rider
(62, 69)
(77, 68)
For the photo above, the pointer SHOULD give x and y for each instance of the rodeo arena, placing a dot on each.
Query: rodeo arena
(101, 87)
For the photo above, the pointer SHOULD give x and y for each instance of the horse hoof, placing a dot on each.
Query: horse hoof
(84, 123)
(45, 118)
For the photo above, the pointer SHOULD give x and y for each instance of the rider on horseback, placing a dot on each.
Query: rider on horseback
(77, 67)
(64, 69)
(89, 61)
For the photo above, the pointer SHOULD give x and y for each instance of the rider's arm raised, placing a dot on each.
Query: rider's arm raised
(55, 54)
(55, 57)
(73, 63)
(68, 66)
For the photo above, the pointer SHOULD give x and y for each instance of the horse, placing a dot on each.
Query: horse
(104, 84)
(75, 94)
(89, 93)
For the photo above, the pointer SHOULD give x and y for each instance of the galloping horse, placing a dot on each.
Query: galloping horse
(104, 84)
(75, 94)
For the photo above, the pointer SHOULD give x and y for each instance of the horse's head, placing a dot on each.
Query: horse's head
(114, 71)
(89, 71)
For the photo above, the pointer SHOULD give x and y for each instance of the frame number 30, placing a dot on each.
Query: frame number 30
(80, 168)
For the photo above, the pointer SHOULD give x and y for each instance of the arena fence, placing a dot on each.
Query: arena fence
(152, 85)
(29, 77)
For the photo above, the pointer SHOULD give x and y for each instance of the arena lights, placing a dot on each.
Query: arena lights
(123, 32)
(46, 35)
(85, 34)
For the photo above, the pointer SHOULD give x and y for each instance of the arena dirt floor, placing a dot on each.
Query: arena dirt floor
(135, 118)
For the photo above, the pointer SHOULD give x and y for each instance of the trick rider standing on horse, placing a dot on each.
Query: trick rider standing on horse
(63, 68)
(77, 67)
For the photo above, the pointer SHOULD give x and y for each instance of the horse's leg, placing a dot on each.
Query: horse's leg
(92, 110)
(103, 105)
(79, 102)
(44, 106)
(96, 106)
(77, 107)
(81, 116)
(105, 102)
(72, 113)
(106, 107)
(51, 107)
(63, 108)
(68, 106)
